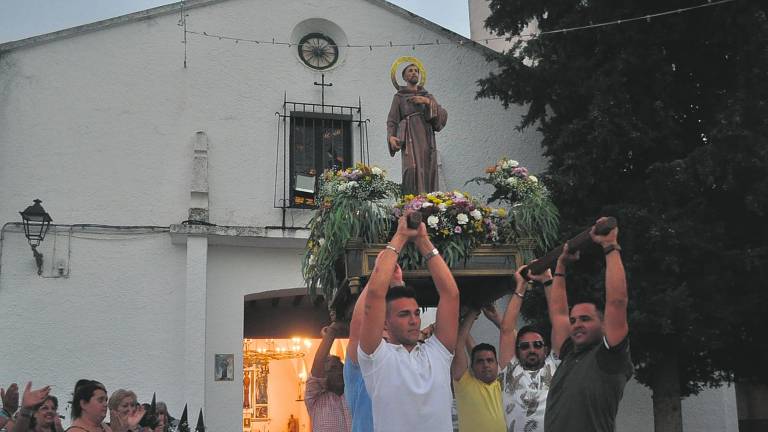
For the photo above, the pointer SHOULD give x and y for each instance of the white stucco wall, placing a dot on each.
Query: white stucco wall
(118, 317)
(478, 13)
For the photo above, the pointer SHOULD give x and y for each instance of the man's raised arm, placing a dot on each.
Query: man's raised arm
(356, 323)
(616, 299)
(375, 306)
(328, 335)
(460, 362)
(508, 333)
(557, 301)
(447, 322)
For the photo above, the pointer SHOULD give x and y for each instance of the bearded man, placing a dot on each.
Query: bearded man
(413, 119)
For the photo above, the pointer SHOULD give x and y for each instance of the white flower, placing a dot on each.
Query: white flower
(533, 179)
(351, 184)
(458, 194)
(476, 214)
(511, 181)
(514, 164)
(432, 221)
(462, 219)
(427, 204)
(442, 207)
(377, 171)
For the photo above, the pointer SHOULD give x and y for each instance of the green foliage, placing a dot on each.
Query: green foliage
(330, 228)
(663, 124)
(355, 203)
(532, 214)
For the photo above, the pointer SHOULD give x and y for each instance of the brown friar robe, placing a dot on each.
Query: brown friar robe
(415, 126)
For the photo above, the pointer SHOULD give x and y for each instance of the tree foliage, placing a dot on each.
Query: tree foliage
(662, 123)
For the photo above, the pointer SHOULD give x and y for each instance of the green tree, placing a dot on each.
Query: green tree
(662, 123)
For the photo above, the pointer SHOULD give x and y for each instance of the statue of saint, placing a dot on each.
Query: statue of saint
(413, 119)
(246, 391)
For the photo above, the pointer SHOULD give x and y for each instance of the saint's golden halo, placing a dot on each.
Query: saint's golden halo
(396, 64)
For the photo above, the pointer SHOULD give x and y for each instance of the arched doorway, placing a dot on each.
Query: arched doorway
(281, 332)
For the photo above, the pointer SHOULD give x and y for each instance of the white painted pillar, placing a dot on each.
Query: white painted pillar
(194, 334)
(197, 279)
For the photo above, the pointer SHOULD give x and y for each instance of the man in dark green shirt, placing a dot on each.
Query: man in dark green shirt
(596, 365)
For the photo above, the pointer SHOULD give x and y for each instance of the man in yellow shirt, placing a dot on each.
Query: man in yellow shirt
(477, 390)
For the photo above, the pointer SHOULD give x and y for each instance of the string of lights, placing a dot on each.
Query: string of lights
(438, 42)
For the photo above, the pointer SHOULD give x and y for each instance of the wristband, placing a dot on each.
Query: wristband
(26, 412)
(519, 295)
(610, 248)
(559, 274)
(392, 248)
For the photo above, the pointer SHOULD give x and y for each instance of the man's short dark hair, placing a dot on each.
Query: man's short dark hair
(482, 347)
(399, 292)
(531, 329)
(598, 304)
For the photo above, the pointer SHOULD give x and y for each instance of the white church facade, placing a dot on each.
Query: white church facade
(172, 149)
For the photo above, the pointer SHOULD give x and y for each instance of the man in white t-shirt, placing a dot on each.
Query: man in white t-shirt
(528, 363)
(409, 383)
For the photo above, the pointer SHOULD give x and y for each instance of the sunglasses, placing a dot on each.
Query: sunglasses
(527, 345)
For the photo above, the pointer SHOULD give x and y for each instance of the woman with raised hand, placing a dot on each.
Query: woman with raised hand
(38, 412)
(122, 404)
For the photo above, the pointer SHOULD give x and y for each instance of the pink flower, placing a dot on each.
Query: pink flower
(457, 230)
(520, 172)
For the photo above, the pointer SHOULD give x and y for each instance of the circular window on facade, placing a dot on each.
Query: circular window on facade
(318, 51)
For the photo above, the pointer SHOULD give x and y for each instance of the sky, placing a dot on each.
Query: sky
(21, 19)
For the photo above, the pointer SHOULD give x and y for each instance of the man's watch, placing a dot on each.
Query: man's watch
(610, 248)
(431, 254)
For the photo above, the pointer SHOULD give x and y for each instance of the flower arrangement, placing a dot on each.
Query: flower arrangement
(455, 222)
(532, 213)
(512, 181)
(362, 182)
(354, 202)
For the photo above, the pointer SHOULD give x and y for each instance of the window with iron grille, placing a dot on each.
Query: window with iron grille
(318, 141)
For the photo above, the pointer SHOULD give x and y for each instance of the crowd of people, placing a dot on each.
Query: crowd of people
(398, 377)
(38, 411)
(395, 379)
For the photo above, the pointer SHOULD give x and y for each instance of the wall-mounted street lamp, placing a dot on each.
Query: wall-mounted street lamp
(36, 223)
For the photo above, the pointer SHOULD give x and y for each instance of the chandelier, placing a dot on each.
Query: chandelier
(261, 351)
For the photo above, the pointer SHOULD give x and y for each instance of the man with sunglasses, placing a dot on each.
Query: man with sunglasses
(528, 363)
(596, 365)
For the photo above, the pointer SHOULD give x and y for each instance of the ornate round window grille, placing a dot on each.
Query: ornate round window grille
(318, 51)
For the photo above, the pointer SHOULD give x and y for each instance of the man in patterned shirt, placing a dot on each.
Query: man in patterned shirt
(324, 394)
(529, 364)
